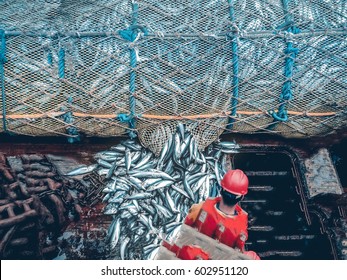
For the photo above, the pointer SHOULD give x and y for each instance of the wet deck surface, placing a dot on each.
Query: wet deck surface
(85, 239)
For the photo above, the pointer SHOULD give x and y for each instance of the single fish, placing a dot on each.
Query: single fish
(228, 145)
(170, 202)
(148, 208)
(82, 170)
(162, 209)
(180, 130)
(163, 153)
(118, 148)
(123, 248)
(162, 184)
(151, 174)
(143, 161)
(177, 189)
(139, 196)
(115, 234)
(187, 187)
(127, 160)
(111, 170)
(104, 163)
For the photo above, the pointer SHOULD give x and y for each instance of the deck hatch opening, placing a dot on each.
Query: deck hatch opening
(280, 225)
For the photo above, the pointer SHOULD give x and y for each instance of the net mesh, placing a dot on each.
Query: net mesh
(68, 65)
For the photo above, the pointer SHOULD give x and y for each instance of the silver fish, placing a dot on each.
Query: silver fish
(162, 184)
(82, 170)
(123, 247)
(181, 130)
(187, 188)
(178, 151)
(111, 209)
(170, 202)
(137, 182)
(127, 159)
(102, 171)
(151, 255)
(117, 195)
(144, 220)
(111, 170)
(162, 209)
(118, 148)
(148, 208)
(104, 163)
(143, 161)
(163, 153)
(115, 234)
(150, 196)
(177, 189)
(139, 196)
(151, 174)
(107, 197)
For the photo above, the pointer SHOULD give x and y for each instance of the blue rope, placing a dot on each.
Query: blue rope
(132, 101)
(71, 130)
(50, 58)
(291, 53)
(68, 117)
(2, 76)
(235, 60)
(124, 118)
(131, 35)
(61, 64)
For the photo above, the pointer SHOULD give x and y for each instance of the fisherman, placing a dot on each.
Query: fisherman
(222, 218)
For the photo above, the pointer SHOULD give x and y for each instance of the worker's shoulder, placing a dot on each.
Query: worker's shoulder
(241, 211)
(196, 206)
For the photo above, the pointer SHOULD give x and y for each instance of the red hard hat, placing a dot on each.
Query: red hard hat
(235, 182)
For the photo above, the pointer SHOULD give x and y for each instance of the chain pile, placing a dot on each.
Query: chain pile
(35, 205)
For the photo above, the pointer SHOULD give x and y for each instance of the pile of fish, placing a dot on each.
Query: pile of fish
(149, 197)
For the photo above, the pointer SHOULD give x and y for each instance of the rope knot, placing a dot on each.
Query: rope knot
(295, 30)
(71, 130)
(232, 35)
(280, 116)
(133, 33)
(125, 118)
(291, 50)
(288, 36)
(234, 28)
(130, 119)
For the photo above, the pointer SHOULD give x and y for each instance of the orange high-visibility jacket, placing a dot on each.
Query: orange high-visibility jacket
(228, 229)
